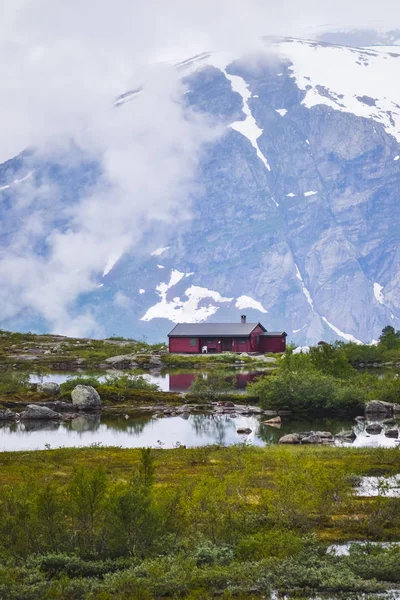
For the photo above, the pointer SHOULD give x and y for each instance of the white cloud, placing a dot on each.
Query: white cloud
(62, 66)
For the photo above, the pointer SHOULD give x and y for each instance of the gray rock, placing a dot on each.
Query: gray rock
(244, 430)
(389, 421)
(85, 397)
(392, 433)
(49, 387)
(34, 411)
(374, 428)
(125, 361)
(312, 439)
(325, 435)
(379, 407)
(270, 413)
(346, 436)
(7, 415)
(290, 438)
(396, 408)
(58, 405)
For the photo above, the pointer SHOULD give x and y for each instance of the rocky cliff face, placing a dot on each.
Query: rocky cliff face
(296, 220)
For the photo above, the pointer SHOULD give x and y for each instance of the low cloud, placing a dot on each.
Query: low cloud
(62, 65)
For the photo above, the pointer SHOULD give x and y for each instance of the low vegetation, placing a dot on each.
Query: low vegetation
(101, 523)
(324, 382)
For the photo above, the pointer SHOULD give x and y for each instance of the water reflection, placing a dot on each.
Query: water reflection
(167, 382)
(188, 429)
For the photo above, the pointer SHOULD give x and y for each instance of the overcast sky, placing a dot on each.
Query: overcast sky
(62, 64)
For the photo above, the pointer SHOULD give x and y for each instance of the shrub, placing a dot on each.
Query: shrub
(306, 391)
(210, 386)
(130, 382)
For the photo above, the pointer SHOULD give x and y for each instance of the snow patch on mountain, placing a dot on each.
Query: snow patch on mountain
(248, 127)
(378, 293)
(159, 251)
(281, 111)
(362, 82)
(247, 302)
(397, 157)
(184, 309)
(346, 336)
(161, 266)
(16, 181)
(290, 195)
(141, 291)
(301, 328)
(304, 288)
(112, 260)
(310, 193)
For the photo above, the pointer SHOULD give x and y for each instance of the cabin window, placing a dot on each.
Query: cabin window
(242, 340)
(210, 341)
(193, 342)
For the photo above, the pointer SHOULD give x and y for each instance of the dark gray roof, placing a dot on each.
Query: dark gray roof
(273, 333)
(213, 329)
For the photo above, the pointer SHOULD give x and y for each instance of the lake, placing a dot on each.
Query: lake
(169, 432)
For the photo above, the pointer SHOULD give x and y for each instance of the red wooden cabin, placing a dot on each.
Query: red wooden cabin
(190, 338)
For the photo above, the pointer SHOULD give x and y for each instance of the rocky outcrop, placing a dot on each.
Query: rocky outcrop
(7, 415)
(58, 405)
(85, 397)
(35, 412)
(125, 361)
(378, 407)
(311, 439)
(374, 428)
(49, 387)
(392, 433)
(290, 438)
(346, 436)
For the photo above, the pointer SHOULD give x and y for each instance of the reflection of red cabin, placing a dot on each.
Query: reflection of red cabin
(225, 337)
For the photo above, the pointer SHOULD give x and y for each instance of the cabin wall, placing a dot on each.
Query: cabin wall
(273, 344)
(255, 339)
(180, 344)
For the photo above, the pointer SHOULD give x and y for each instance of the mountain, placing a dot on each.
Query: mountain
(296, 221)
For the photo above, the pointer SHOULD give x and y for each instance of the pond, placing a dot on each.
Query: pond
(169, 381)
(169, 432)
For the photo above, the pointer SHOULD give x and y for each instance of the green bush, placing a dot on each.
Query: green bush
(211, 386)
(130, 382)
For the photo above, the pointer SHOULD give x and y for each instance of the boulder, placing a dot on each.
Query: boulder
(374, 428)
(273, 421)
(269, 413)
(85, 397)
(7, 415)
(389, 421)
(378, 407)
(392, 433)
(396, 408)
(49, 387)
(125, 361)
(245, 430)
(36, 412)
(312, 439)
(346, 436)
(324, 435)
(57, 405)
(290, 438)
